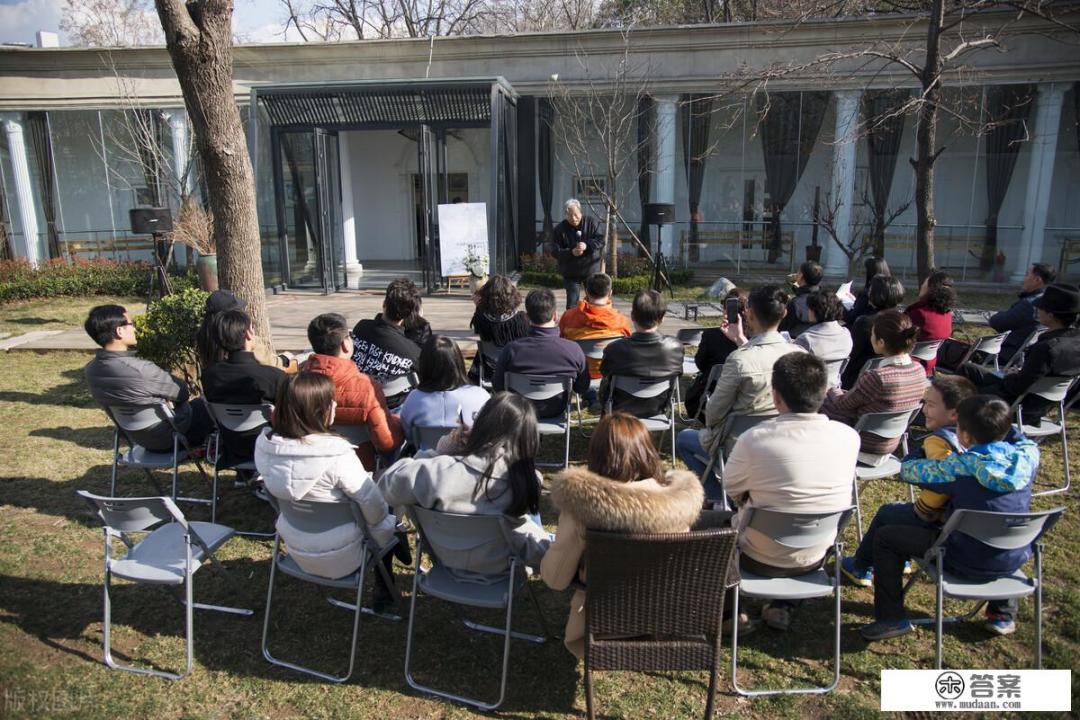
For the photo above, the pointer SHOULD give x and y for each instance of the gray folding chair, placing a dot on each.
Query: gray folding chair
(888, 425)
(835, 369)
(457, 536)
(427, 437)
(710, 385)
(990, 347)
(358, 435)
(538, 388)
(926, 350)
(237, 419)
(136, 418)
(1000, 531)
(1051, 389)
(691, 337)
(734, 426)
(1017, 358)
(797, 531)
(323, 517)
(646, 389)
(593, 349)
(169, 554)
(872, 363)
(491, 351)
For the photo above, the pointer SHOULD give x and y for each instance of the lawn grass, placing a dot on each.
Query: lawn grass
(56, 441)
(52, 314)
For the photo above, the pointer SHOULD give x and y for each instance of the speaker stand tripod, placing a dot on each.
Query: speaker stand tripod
(159, 285)
(661, 278)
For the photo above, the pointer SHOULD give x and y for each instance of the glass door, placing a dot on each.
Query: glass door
(298, 217)
(328, 183)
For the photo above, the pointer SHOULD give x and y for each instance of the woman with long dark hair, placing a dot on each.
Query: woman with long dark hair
(873, 266)
(886, 293)
(623, 489)
(490, 470)
(443, 394)
(497, 319)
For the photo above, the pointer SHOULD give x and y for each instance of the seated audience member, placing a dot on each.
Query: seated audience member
(443, 396)
(745, 384)
(209, 352)
(932, 312)
(713, 350)
(497, 320)
(416, 327)
(299, 458)
(768, 469)
(239, 379)
(940, 408)
(646, 354)
(994, 473)
(1020, 319)
(873, 266)
(488, 469)
(543, 352)
(359, 400)
(117, 376)
(380, 348)
(807, 281)
(1057, 352)
(623, 489)
(594, 317)
(886, 293)
(826, 338)
(898, 383)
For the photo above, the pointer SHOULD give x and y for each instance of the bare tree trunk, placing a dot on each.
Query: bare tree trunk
(199, 38)
(925, 142)
(611, 234)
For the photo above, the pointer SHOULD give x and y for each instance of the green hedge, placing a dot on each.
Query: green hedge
(19, 280)
(623, 285)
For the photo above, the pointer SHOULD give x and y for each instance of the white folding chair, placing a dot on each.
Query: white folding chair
(1017, 358)
(169, 554)
(639, 388)
(1052, 389)
(872, 466)
(326, 517)
(458, 535)
(1000, 531)
(537, 388)
(990, 347)
(926, 350)
(835, 370)
(872, 363)
(491, 351)
(427, 437)
(797, 531)
(593, 349)
(734, 426)
(358, 435)
(129, 419)
(398, 387)
(235, 419)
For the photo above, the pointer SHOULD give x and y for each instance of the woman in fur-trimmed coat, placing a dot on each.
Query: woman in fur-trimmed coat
(618, 492)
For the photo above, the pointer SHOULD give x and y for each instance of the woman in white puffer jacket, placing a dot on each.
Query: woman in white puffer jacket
(300, 459)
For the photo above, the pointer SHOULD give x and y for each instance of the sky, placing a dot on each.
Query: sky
(255, 20)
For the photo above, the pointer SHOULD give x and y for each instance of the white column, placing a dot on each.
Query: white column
(1044, 142)
(30, 247)
(843, 180)
(181, 150)
(664, 186)
(353, 269)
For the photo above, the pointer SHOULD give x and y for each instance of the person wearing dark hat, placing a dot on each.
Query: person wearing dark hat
(210, 352)
(1057, 352)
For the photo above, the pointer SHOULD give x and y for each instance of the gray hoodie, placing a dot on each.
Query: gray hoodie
(323, 468)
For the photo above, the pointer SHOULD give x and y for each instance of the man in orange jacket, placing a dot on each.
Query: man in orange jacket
(595, 317)
(359, 400)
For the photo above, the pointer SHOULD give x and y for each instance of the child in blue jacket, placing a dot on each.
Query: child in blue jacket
(995, 473)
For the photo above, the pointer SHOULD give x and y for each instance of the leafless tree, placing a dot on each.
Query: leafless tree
(519, 16)
(363, 19)
(110, 23)
(596, 122)
(198, 35)
(864, 224)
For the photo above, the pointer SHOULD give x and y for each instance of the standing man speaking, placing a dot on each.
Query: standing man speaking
(579, 248)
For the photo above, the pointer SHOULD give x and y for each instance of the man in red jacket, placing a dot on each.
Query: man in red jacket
(594, 317)
(359, 400)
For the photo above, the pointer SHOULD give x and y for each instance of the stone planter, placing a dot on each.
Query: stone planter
(206, 267)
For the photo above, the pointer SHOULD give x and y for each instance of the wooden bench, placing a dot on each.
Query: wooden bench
(108, 248)
(739, 241)
(947, 248)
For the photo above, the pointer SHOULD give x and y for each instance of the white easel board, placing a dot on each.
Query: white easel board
(461, 225)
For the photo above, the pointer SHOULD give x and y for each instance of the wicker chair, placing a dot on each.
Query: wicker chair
(655, 602)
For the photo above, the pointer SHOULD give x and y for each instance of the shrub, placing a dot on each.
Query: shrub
(634, 273)
(19, 280)
(166, 333)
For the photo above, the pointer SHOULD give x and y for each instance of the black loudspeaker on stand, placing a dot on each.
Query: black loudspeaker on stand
(660, 214)
(157, 222)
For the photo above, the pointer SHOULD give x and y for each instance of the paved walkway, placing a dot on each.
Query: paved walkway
(290, 313)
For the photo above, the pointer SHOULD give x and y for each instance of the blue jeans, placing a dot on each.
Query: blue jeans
(891, 514)
(573, 292)
(688, 448)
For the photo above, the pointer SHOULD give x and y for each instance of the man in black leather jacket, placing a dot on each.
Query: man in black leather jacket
(645, 354)
(579, 249)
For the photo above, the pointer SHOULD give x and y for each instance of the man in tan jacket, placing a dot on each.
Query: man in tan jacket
(778, 465)
(745, 384)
